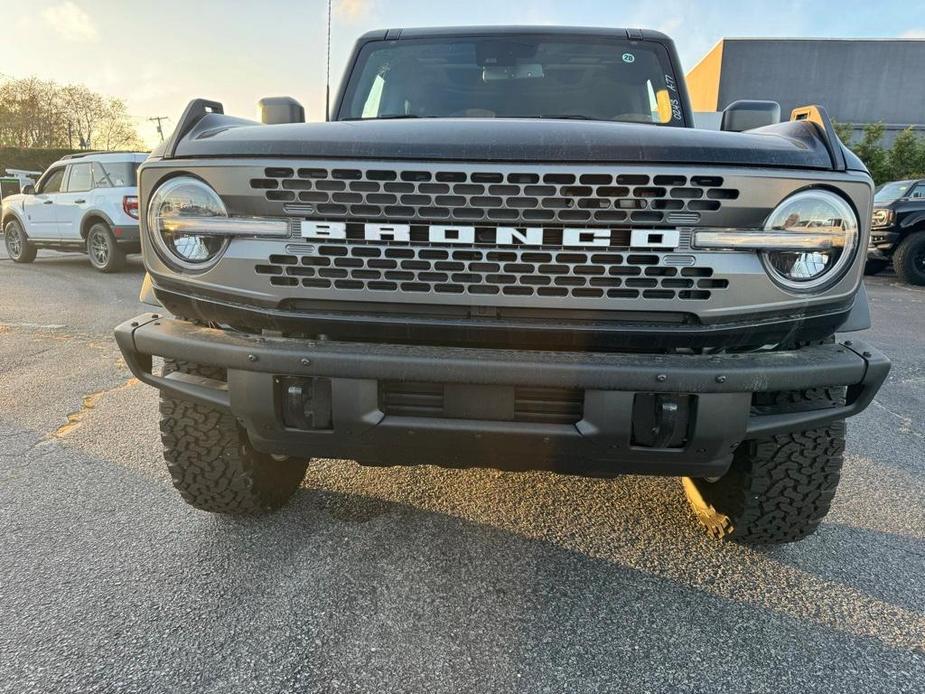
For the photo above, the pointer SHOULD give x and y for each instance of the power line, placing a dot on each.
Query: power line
(158, 119)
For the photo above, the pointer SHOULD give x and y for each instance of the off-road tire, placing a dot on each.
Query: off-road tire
(778, 488)
(18, 246)
(102, 249)
(909, 259)
(876, 266)
(211, 460)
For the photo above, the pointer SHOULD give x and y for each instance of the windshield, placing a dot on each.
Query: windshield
(514, 77)
(893, 191)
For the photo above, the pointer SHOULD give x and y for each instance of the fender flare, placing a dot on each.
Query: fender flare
(859, 316)
(94, 212)
(11, 212)
(910, 223)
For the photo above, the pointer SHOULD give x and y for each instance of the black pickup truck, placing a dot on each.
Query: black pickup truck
(897, 234)
(509, 247)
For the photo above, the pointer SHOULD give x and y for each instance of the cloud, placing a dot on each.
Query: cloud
(913, 34)
(352, 10)
(71, 22)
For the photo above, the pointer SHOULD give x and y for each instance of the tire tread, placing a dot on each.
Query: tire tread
(778, 489)
(211, 461)
(904, 262)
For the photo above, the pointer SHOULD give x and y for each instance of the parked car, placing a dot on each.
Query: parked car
(86, 202)
(897, 233)
(510, 248)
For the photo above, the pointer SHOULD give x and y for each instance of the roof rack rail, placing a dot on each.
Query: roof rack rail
(78, 155)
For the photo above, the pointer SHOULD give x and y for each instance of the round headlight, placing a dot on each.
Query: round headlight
(812, 212)
(172, 219)
(881, 217)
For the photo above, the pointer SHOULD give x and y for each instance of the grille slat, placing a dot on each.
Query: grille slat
(535, 405)
(427, 196)
(363, 265)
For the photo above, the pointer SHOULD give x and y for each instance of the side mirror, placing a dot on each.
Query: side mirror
(280, 109)
(747, 114)
(28, 189)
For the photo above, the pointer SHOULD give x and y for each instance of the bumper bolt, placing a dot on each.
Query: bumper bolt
(867, 354)
(134, 323)
(848, 343)
(251, 357)
(720, 379)
(305, 362)
(661, 378)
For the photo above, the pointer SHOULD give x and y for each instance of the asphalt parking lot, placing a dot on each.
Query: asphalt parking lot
(420, 579)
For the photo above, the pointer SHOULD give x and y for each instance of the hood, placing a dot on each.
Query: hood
(792, 144)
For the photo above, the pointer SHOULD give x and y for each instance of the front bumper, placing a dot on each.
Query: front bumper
(882, 242)
(717, 392)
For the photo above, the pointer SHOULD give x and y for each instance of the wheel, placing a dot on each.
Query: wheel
(909, 259)
(18, 246)
(105, 254)
(778, 488)
(211, 460)
(876, 265)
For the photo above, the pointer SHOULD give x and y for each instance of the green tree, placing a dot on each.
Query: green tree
(872, 153)
(904, 159)
(907, 156)
(845, 132)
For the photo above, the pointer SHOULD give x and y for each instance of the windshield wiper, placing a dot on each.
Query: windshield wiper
(566, 116)
(392, 116)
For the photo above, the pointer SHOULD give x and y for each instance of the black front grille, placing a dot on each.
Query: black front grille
(385, 269)
(497, 196)
(529, 405)
(548, 405)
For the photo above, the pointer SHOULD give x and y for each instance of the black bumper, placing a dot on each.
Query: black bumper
(882, 243)
(128, 237)
(715, 392)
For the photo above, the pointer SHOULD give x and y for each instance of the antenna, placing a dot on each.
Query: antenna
(158, 119)
(327, 70)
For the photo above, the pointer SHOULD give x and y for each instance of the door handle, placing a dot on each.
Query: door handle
(48, 202)
(79, 202)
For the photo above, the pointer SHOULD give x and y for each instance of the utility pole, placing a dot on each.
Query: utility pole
(158, 119)
(327, 69)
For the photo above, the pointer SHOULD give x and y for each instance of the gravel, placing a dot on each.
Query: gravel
(422, 579)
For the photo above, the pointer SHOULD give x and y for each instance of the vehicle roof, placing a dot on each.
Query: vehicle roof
(537, 29)
(102, 156)
(902, 180)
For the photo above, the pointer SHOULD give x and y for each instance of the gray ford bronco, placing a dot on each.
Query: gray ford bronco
(509, 247)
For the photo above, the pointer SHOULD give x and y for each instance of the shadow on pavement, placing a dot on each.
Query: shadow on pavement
(108, 573)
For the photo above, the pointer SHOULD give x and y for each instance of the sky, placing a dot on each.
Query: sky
(158, 55)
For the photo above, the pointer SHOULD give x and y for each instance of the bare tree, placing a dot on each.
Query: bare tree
(30, 113)
(37, 113)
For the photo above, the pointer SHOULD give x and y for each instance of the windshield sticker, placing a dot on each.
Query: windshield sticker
(669, 82)
(629, 58)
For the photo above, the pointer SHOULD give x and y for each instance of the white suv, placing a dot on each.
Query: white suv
(86, 202)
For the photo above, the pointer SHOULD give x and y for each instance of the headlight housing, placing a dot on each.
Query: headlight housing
(882, 217)
(178, 221)
(812, 214)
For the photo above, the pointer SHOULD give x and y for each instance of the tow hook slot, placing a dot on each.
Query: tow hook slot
(661, 420)
(306, 403)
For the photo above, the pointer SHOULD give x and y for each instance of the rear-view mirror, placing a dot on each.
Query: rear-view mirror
(749, 114)
(274, 110)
